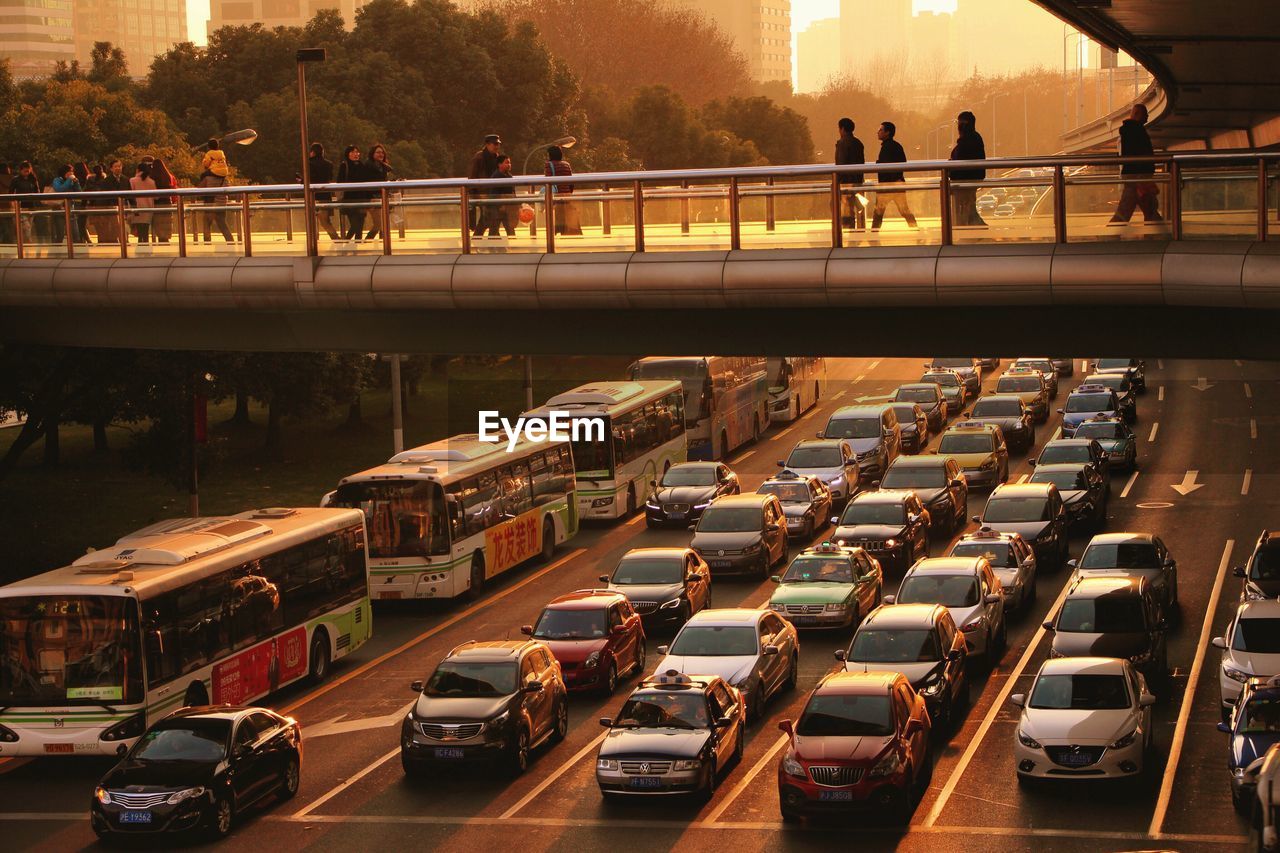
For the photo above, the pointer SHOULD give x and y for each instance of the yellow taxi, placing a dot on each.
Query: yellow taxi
(980, 451)
(1027, 383)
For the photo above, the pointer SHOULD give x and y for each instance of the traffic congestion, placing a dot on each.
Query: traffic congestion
(908, 599)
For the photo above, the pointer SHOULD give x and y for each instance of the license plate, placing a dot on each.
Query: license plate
(447, 752)
(135, 817)
(677, 514)
(836, 796)
(392, 594)
(721, 564)
(60, 747)
(1077, 760)
(804, 620)
(645, 782)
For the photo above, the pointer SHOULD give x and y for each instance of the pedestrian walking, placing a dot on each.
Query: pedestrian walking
(113, 180)
(483, 164)
(162, 220)
(64, 183)
(1135, 142)
(568, 220)
(82, 219)
(352, 171)
(321, 171)
(377, 168)
(969, 146)
(496, 214)
(215, 173)
(141, 216)
(214, 161)
(890, 152)
(850, 152)
(27, 182)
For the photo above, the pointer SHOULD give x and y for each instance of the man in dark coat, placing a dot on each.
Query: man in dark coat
(483, 164)
(23, 183)
(849, 152)
(496, 214)
(1134, 142)
(890, 152)
(321, 172)
(969, 146)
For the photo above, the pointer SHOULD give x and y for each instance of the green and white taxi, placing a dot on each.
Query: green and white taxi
(828, 586)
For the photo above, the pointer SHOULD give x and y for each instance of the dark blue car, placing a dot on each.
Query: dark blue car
(1086, 402)
(1254, 727)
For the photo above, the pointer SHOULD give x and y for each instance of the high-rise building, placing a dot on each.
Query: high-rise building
(276, 13)
(35, 34)
(817, 54)
(1006, 36)
(760, 29)
(871, 30)
(143, 29)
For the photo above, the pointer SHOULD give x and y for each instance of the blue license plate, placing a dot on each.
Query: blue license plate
(804, 620)
(721, 564)
(135, 817)
(1074, 760)
(645, 782)
(446, 752)
(836, 796)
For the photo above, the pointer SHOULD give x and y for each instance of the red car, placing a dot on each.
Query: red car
(862, 742)
(595, 635)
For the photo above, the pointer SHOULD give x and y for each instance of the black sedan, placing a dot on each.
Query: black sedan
(1008, 412)
(197, 769)
(914, 424)
(686, 490)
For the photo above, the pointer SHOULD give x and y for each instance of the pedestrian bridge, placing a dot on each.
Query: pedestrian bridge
(762, 259)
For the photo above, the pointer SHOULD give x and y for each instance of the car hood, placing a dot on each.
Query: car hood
(828, 748)
(1075, 726)
(868, 531)
(1005, 423)
(970, 460)
(1254, 663)
(709, 543)
(1071, 496)
(909, 427)
(685, 494)
(1115, 645)
(642, 743)
(1028, 530)
(964, 615)
(826, 475)
(1247, 748)
(916, 673)
(575, 651)
(1008, 575)
(458, 707)
(928, 496)
(732, 668)
(796, 509)
(649, 592)
(178, 774)
(862, 445)
(814, 592)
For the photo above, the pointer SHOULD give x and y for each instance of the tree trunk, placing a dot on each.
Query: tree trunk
(241, 416)
(100, 436)
(355, 417)
(52, 447)
(273, 426)
(28, 434)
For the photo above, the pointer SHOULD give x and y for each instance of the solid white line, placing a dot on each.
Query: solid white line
(1160, 363)
(1024, 478)
(560, 771)
(1057, 433)
(1239, 363)
(841, 394)
(1253, 428)
(1155, 427)
(1188, 697)
(315, 804)
(1160, 396)
(1129, 485)
(1248, 478)
(998, 705)
(751, 453)
(746, 780)
(1248, 392)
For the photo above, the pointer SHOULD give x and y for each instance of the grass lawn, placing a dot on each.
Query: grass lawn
(98, 499)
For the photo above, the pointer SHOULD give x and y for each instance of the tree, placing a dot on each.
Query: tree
(780, 133)
(664, 132)
(108, 66)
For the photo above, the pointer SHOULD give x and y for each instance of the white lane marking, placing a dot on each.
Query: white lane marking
(1129, 485)
(1024, 478)
(315, 804)
(1248, 392)
(640, 516)
(1084, 365)
(996, 707)
(1188, 698)
(841, 394)
(1057, 433)
(1155, 427)
(751, 453)
(1160, 396)
(746, 780)
(873, 365)
(1239, 363)
(559, 771)
(1253, 427)
(1248, 478)
(1160, 363)
(1188, 484)
(860, 377)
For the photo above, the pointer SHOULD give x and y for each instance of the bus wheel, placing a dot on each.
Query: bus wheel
(755, 429)
(631, 501)
(817, 393)
(724, 445)
(196, 695)
(477, 575)
(319, 668)
(548, 540)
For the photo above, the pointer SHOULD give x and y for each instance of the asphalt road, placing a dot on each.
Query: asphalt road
(354, 796)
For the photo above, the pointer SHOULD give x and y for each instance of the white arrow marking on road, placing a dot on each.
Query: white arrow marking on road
(1201, 384)
(339, 726)
(872, 397)
(1188, 484)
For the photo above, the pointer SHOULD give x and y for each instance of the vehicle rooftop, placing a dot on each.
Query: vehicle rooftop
(946, 565)
(1077, 666)
(1119, 536)
(1021, 490)
(726, 616)
(744, 499)
(585, 599)
(857, 683)
(904, 616)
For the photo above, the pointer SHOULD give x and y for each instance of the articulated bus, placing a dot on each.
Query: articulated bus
(642, 434)
(796, 382)
(446, 517)
(726, 398)
(190, 611)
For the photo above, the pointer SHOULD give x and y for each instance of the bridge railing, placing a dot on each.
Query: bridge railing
(1215, 195)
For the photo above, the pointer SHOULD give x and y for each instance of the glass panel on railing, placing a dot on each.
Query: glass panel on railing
(1013, 206)
(510, 223)
(893, 213)
(684, 219)
(213, 224)
(9, 225)
(1104, 205)
(785, 213)
(594, 218)
(425, 222)
(1273, 203)
(274, 230)
(1220, 203)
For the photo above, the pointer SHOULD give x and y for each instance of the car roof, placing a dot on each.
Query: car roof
(585, 599)
(988, 534)
(1095, 586)
(491, 650)
(727, 616)
(916, 385)
(1067, 442)
(818, 442)
(871, 410)
(1022, 490)
(1091, 389)
(1059, 467)
(675, 681)
(923, 461)
(946, 565)
(858, 683)
(998, 397)
(1119, 537)
(827, 549)
(697, 465)
(971, 426)
(904, 616)
(655, 552)
(788, 476)
(744, 499)
(1082, 665)
(1261, 608)
(229, 713)
(883, 496)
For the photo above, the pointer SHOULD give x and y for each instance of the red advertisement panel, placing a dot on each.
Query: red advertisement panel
(260, 669)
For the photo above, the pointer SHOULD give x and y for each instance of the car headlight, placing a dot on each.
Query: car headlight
(988, 465)
(836, 607)
(781, 608)
(1126, 740)
(652, 504)
(185, 794)
(887, 766)
(499, 720)
(1027, 741)
(1235, 674)
(792, 767)
(891, 543)
(752, 548)
(592, 660)
(607, 764)
(686, 764)
(702, 506)
(102, 795)
(670, 605)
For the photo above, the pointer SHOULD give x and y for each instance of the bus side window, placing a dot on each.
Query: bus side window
(517, 496)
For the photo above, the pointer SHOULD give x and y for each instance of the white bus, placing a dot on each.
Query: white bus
(190, 611)
(446, 517)
(726, 398)
(644, 435)
(796, 382)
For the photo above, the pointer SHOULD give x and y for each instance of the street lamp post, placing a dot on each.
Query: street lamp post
(305, 55)
(562, 142)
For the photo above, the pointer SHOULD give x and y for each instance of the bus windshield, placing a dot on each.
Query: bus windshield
(63, 650)
(692, 373)
(405, 518)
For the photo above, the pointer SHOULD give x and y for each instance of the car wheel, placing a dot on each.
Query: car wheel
(519, 755)
(561, 729)
(709, 786)
(290, 779)
(793, 674)
(1027, 783)
(611, 680)
(1002, 642)
(223, 818)
(412, 771)
(641, 655)
(319, 666)
(741, 746)
(631, 501)
(790, 817)
(755, 711)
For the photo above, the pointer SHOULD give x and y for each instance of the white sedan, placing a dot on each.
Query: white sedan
(1085, 718)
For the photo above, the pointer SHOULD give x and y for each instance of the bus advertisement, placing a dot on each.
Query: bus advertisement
(726, 398)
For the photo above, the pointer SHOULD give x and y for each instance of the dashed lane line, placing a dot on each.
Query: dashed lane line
(1155, 428)
(841, 394)
(338, 789)
(1188, 698)
(1248, 392)
(1248, 478)
(752, 452)
(1129, 485)
(746, 781)
(559, 771)
(1024, 478)
(1253, 427)
(1160, 395)
(873, 365)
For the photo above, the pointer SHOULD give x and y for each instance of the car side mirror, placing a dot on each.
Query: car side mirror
(534, 686)
(820, 434)
(992, 598)
(1238, 571)
(786, 727)
(782, 463)
(693, 526)
(527, 630)
(771, 650)
(1219, 642)
(604, 579)
(956, 483)
(954, 655)
(662, 650)
(1031, 463)
(1048, 626)
(1146, 700)
(1060, 411)
(653, 484)
(1018, 700)
(1071, 564)
(695, 576)
(772, 526)
(417, 687)
(724, 722)
(841, 655)
(835, 519)
(976, 519)
(889, 599)
(606, 722)
(1170, 564)
(968, 415)
(617, 630)
(1224, 728)
(776, 578)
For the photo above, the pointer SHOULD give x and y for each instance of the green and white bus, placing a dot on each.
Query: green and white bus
(642, 434)
(446, 517)
(190, 611)
(796, 382)
(726, 398)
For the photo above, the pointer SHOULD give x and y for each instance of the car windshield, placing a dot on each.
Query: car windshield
(184, 740)
(1121, 555)
(865, 427)
(715, 640)
(1080, 693)
(1064, 480)
(730, 519)
(957, 443)
(1107, 615)
(558, 624)
(649, 570)
(1114, 363)
(819, 570)
(1089, 403)
(814, 457)
(997, 553)
(946, 380)
(1257, 636)
(1114, 381)
(953, 363)
(997, 408)
(906, 414)
(1044, 366)
(1014, 384)
(788, 493)
(686, 709)
(947, 590)
(406, 518)
(1054, 454)
(459, 678)
(917, 395)
(837, 715)
(1100, 430)
(864, 512)
(1266, 564)
(914, 477)
(690, 475)
(1016, 509)
(897, 645)
(1261, 716)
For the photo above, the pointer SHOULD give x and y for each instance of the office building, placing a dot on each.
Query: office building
(143, 29)
(277, 13)
(817, 55)
(35, 34)
(760, 29)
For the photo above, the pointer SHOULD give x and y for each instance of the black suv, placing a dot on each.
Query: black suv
(491, 702)
(1262, 573)
(1113, 617)
(938, 482)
